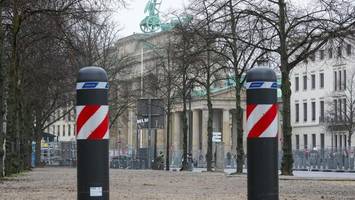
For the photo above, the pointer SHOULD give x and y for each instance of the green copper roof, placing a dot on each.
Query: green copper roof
(228, 83)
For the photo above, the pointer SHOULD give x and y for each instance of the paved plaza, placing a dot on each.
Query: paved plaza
(60, 183)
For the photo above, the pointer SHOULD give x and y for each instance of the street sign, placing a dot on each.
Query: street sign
(216, 137)
(155, 110)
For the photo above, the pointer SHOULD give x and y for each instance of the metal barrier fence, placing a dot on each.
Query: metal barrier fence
(59, 153)
(325, 159)
(64, 154)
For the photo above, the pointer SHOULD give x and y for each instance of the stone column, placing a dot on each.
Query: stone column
(161, 140)
(204, 132)
(196, 134)
(176, 134)
(226, 132)
(131, 131)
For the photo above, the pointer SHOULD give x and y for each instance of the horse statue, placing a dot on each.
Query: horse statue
(151, 23)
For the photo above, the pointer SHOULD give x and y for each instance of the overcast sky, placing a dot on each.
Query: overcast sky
(130, 17)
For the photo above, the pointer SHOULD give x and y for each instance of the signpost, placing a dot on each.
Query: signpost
(150, 115)
(219, 151)
(217, 137)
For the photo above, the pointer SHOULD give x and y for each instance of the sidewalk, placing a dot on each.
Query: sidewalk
(302, 175)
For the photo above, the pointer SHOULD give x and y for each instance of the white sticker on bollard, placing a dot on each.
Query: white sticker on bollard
(96, 191)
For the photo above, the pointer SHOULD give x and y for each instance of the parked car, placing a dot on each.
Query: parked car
(119, 162)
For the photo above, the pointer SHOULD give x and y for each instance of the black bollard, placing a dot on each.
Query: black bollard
(262, 128)
(92, 134)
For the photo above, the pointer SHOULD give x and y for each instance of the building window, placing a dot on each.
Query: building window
(340, 110)
(344, 78)
(313, 81)
(345, 109)
(340, 141)
(322, 141)
(336, 141)
(314, 142)
(339, 52)
(313, 111)
(63, 130)
(297, 142)
(335, 81)
(305, 141)
(297, 84)
(58, 130)
(339, 80)
(69, 130)
(348, 49)
(297, 108)
(321, 52)
(330, 53)
(335, 110)
(321, 80)
(304, 112)
(321, 111)
(305, 82)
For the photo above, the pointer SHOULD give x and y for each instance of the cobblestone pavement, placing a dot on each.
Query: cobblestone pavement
(60, 183)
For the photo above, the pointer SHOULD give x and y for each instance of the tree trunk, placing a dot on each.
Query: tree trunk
(167, 157)
(184, 129)
(2, 103)
(12, 159)
(349, 138)
(209, 132)
(28, 133)
(239, 115)
(287, 159)
(3, 158)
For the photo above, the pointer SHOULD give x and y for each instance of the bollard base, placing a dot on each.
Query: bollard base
(263, 183)
(93, 169)
(93, 196)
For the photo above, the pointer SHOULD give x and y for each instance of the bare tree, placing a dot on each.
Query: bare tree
(23, 38)
(296, 33)
(235, 28)
(210, 67)
(168, 89)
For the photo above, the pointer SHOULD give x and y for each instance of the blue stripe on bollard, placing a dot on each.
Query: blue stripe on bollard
(261, 85)
(91, 85)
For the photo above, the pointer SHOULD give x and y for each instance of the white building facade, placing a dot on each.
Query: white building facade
(318, 89)
(64, 128)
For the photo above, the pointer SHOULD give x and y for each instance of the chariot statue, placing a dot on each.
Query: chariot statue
(151, 23)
